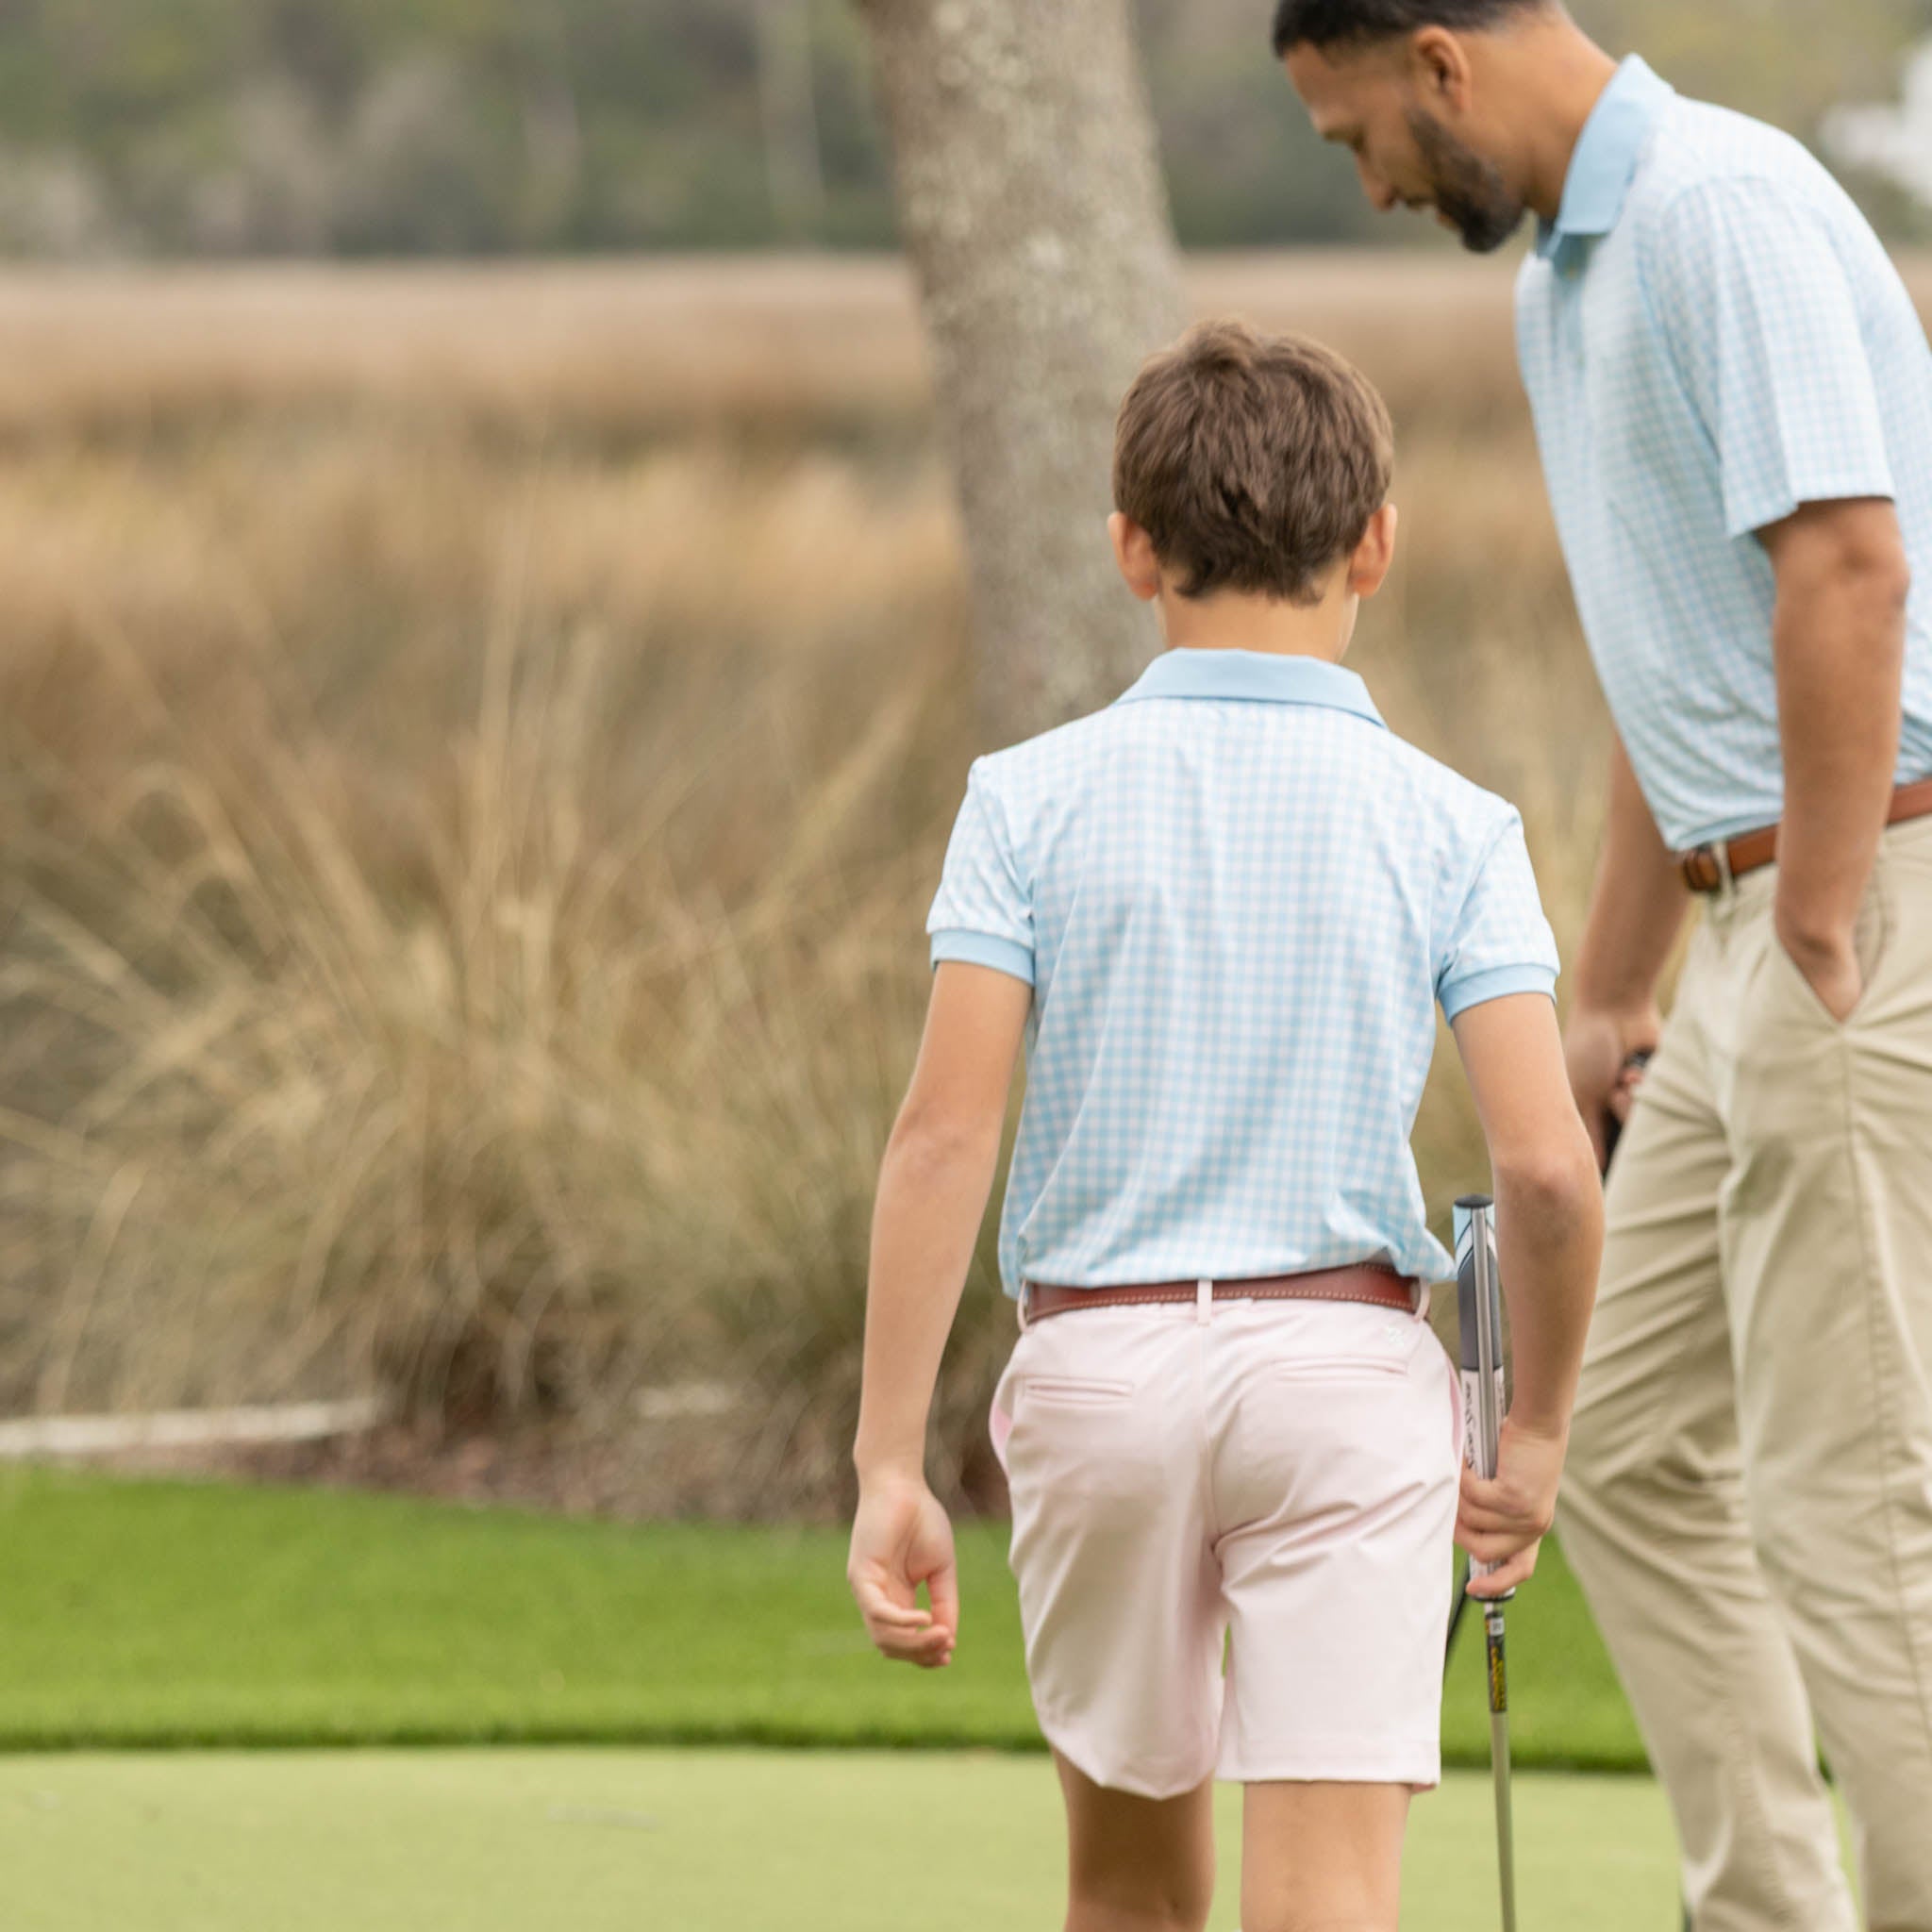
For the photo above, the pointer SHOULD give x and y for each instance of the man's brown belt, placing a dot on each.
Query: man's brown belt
(1380, 1287)
(1706, 869)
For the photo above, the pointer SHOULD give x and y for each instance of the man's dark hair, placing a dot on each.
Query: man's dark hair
(1254, 463)
(1360, 23)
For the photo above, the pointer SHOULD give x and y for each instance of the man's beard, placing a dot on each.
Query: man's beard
(1469, 190)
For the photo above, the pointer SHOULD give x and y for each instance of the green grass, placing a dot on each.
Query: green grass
(161, 1613)
(700, 1841)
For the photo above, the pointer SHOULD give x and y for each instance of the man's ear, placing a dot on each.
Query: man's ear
(1133, 550)
(1438, 63)
(1367, 569)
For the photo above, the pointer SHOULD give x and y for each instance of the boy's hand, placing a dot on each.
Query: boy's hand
(1503, 1522)
(901, 1539)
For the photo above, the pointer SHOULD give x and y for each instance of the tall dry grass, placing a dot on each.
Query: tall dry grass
(476, 752)
(764, 352)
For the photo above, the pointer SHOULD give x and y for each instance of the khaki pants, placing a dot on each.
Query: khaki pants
(1749, 1502)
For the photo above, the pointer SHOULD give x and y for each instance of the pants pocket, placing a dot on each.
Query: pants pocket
(1777, 992)
(1076, 1391)
(1335, 1368)
(1086, 1436)
(999, 1425)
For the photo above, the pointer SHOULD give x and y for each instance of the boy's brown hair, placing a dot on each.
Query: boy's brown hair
(1254, 463)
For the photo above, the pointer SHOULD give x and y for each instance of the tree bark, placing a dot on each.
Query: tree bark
(1032, 205)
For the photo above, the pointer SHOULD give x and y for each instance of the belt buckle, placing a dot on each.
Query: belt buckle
(1019, 1301)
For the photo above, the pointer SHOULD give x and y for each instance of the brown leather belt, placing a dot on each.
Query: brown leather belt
(1706, 869)
(1380, 1287)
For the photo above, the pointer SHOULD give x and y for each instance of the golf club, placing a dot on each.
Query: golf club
(1480, 1313)
(1613, 1127)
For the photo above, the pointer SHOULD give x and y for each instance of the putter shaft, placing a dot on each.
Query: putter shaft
(1499, 1761)
(1482, 1353)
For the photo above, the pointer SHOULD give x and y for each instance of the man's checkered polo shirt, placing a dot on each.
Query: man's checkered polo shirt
(1711, 335)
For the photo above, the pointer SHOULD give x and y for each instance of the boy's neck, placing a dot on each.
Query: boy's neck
(1231, 621)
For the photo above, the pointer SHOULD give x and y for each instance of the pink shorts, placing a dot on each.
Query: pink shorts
(1272, 1481)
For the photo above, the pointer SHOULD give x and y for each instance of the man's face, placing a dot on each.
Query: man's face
(1368, 101)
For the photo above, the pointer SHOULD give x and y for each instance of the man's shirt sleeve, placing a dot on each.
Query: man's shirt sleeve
(1762, 326)
(1498, 942)
(983, 912)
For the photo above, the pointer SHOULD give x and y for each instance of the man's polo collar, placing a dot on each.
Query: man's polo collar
(1259, 676)
(1607, 155)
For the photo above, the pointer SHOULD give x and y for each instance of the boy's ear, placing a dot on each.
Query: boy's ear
(1133, 550)
(1367, 569)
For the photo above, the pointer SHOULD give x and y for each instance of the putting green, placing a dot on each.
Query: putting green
(697, 1841)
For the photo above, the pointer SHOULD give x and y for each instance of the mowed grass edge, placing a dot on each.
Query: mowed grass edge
(164, 1613)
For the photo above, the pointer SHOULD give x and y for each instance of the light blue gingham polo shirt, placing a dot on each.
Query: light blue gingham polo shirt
(1711, 336)
(1238, 897)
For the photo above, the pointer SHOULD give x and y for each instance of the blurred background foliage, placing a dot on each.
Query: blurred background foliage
(211, 127)
(477, 743)
(476, 748)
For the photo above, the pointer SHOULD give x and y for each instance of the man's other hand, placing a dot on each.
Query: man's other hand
(1598, 1047)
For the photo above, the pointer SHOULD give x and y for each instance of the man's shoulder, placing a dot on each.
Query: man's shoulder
(1703, 155)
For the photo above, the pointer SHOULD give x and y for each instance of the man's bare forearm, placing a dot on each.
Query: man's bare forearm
(932, 1196)
(1840, 648)
(1636, 907)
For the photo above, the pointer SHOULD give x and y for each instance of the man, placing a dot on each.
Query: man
(1733, 397)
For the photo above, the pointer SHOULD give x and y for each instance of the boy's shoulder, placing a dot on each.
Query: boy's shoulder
(1450, 797)
(1052, 750)
(1425, 770)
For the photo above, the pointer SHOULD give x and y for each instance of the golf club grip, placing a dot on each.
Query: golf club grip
(1613, 1127)
(1479, 1312)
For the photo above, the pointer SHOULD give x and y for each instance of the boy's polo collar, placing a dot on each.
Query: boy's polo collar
(1607, 156)
(1259, 676)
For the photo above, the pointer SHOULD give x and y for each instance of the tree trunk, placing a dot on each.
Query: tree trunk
(1031, 201)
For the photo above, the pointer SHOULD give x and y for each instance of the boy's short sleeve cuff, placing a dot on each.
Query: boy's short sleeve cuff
(983, 949)
(1498, 983)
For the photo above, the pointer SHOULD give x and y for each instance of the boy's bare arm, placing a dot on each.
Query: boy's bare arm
(1549, 1232)
(933, 1187)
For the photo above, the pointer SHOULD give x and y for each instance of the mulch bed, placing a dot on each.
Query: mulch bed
(644, 1472)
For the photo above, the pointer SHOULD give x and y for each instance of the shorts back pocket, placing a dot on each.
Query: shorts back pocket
(1076, 1391)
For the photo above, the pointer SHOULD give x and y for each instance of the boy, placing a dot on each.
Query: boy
(1220, 913)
